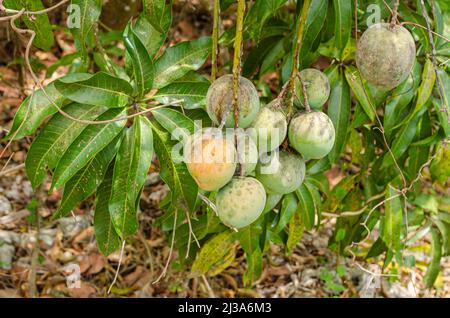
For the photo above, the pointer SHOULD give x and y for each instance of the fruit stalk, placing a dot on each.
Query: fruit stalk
(296, 60)
(394, 19)
(237, 70)
(215, 39)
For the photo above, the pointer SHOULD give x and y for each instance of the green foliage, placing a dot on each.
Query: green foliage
(383, 139)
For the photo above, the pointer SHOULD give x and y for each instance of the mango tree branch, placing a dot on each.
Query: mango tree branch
(215, 39)
(296, 57)
(236, 73)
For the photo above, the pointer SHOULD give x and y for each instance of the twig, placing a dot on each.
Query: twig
(148, 250)
(215, 39)
(296, 57)
(433, 58)
(208, 202)
(425, 28)
(208, 287)
(394, 19)
(191, 234)
(381, 129)
(118, 268)
(356, 20)
(236, 73)
(163, 273)
(388, 7)
(43, 11)
(11, 170)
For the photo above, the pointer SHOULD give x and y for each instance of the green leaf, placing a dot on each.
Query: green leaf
(149, 36)
(392, 225)
(108, 240)
(272, 201)
(99, 89)
(191, 89)
(306, 206)
(159, 14)
(401, 141)
(177, 124)
(213, 252)
(91, 141)
(377, 248)
(39, 23)
(288, 209)
(317, 13)
(358, 87)
(273, 57)
(343, 23)
(88, 12)
(249, 238)
(86, 181)
(258, 14)
(39, 108)
(179, 59)
(339, 111)
(130, 169)
(425, 88)
(402, 95)
(143, 68)
(64, 60)
(418, 155)
(257, 54)
(296, 228)
(408, 14)
(435, 264)
(174, 173)
(55, 138)
(444, 228)
(254, 267)
(443, 107)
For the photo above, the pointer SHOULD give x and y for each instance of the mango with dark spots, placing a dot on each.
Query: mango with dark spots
(210, 158)
(281, 173)
(312, 134)
(317, 88)
(385, 55)
(240, 202)
(269, 128)
(219, 101)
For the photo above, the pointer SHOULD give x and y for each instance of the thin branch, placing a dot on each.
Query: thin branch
(425, 28)
(215, 39)
(394, 19)
(208, 202)
(43, 11)
(236, 73)
(296, 57)
(11, 170)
